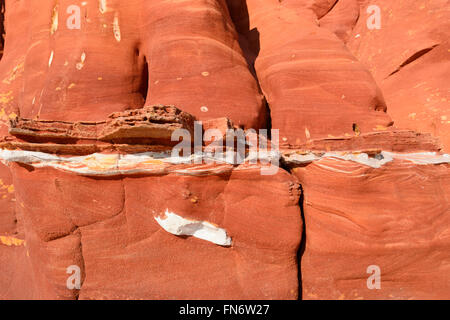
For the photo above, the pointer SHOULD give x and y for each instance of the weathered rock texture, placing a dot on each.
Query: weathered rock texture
(88, 104)
(154, 124)
(409, 59)
(395, 217)
(125, 254)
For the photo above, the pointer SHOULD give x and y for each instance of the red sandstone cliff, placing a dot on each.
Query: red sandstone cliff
(91, 91)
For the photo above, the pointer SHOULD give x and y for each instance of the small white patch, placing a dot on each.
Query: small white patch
(204, 109)
(98, 164)
(180, 226)
(307, 134)
(54, 24)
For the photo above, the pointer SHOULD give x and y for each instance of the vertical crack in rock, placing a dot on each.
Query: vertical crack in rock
(268, 118)
(144, 81)
(82, 265)
(249, 42)
(302, 246)
(83, 270)
(284, 165)
(180, 226)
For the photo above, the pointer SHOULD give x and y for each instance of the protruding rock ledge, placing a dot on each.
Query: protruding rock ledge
(393, 140)
(82, 149)
(149, 125)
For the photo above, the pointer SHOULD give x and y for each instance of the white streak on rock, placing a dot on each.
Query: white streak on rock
(116, 28)
(180, 226)
(50, 60)
(424, 158)
(102, 6)
(156, 163)
(362, 158)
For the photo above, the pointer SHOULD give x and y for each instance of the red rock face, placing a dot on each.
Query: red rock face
(394, 217)
(94, 205)
(112, 63)
(114, 235)
(408, 57)
(308, 72)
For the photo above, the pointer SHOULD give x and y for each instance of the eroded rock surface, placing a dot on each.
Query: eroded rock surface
(408, 57)
(391, 214)
(88, 182)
